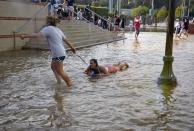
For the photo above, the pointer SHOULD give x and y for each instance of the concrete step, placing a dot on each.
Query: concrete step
(85, 34)
(83, 38)
(73, 27)
(79, 32)
(89, 44)
(84, 28)
(79, 25)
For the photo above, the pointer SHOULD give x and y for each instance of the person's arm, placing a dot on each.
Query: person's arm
(33, 35)
(87, 70)
(69, 44)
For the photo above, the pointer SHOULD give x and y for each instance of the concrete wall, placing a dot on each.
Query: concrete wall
(18, 9)
(14, 9)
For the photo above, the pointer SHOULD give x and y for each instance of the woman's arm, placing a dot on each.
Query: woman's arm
(87, 70)
(69, 44)
(33, 35)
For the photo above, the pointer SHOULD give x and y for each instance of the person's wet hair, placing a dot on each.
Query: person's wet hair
(95, 61)
(52, 20)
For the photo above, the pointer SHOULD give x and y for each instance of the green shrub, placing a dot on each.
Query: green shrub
(124, 16)
(111, 14)
(155, 13)
(162, 12)
(143, 10)
(102, 11)
(178, 11)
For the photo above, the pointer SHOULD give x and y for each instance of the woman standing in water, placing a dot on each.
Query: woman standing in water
(94, 69)
(136, 26)
(55, 38)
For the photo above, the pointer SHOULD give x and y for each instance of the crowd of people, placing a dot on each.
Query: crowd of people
(61, 8)
(181, 28)
(66, 9)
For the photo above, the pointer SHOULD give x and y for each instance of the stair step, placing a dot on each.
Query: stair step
(91, 37)
(74, 35)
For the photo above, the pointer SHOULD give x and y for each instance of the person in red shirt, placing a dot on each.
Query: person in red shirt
(136, 26)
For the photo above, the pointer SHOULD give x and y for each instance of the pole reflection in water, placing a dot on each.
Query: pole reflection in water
(167, 92)
(164, 116)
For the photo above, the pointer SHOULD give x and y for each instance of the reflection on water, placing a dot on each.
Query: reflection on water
(167, 92)
(164, 115)
(136, 44)
(127, 100)
(58, 117)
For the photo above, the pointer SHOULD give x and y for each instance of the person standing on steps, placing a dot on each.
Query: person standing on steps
(70, 6)
(55, 38)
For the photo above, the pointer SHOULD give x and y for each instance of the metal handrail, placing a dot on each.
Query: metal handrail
(112, 24)
(33, 17)
(100, 16)
(86, 20)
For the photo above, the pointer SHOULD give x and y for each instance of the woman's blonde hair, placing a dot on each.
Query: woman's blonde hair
(52, 20)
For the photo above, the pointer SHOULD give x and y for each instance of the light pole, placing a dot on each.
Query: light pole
(183, 8)
(119, 6)
(188, 6)
(110, 6)
(152, 10)
(152, 5)
(167, 76)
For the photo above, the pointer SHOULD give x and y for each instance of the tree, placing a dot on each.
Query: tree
(178, 11)
(162, 12)
(143, 10)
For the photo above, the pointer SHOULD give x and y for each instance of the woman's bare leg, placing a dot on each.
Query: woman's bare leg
(121, 66)
(59, 69)
(58, 78)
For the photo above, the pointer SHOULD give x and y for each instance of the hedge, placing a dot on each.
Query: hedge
(102, 11)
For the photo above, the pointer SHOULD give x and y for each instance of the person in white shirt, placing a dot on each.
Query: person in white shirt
(79, 14)
(55, 38)
(177, 28)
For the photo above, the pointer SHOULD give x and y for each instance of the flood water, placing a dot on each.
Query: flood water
(129, 100)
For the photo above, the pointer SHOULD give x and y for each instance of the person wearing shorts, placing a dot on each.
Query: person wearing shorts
(55, 38)
(136, 26)
(70, 7)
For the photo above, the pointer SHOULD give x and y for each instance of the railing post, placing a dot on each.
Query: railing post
(90, 27)
(35, 25)
(93, 16)
(14, 40)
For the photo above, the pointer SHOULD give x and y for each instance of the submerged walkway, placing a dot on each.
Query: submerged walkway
(128, 100)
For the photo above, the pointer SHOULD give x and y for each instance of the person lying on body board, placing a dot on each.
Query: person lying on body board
(97, 70)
